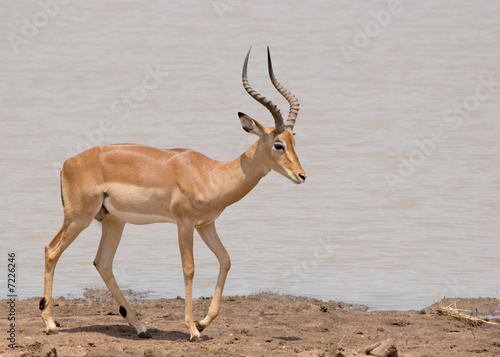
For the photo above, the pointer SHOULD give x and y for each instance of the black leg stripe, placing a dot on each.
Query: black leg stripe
(123, 311)
(43, 301)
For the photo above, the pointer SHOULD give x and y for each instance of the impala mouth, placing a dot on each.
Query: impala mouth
(300, 179)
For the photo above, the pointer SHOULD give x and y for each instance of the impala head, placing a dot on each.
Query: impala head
(278, 142)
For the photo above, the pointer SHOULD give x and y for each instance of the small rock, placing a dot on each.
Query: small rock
(36, 346)
(400, 322)
(245, 331)
(386, 348)
(52, 353)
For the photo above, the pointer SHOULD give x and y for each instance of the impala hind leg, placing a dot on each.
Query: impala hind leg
(211, 239)
(186, 247)
(112, 229)
(53, 250)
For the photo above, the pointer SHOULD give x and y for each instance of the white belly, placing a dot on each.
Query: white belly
(135, 217)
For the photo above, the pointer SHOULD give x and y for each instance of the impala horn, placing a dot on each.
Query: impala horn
(294, 103)
(278, 119)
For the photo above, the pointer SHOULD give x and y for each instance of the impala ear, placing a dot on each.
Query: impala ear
(250, 125)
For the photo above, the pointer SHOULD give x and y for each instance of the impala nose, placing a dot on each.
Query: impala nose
(303, 177)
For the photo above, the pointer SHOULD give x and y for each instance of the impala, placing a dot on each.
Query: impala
(126, 183)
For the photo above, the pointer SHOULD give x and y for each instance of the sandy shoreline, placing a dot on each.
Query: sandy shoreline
(256, 325)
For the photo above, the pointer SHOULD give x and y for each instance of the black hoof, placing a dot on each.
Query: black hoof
(145, 335)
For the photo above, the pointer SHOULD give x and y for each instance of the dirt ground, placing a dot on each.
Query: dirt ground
(256, 325)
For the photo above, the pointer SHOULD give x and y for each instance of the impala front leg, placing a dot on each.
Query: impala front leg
(186, 247)
(112, 230)
(211, 239)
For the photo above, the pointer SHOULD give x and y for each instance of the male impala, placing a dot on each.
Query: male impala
(125, 183)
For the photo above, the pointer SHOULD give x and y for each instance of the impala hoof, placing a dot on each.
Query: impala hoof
(195, 337)
(51, 331)
(145, 334)
(199, 326)
(51, 327)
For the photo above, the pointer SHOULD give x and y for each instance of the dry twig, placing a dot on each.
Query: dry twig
(458, 314)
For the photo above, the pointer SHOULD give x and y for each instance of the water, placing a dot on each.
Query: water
(401, 204)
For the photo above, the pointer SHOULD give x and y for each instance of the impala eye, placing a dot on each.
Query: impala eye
(279, 146)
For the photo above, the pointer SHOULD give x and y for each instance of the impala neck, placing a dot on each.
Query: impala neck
(238, 177)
